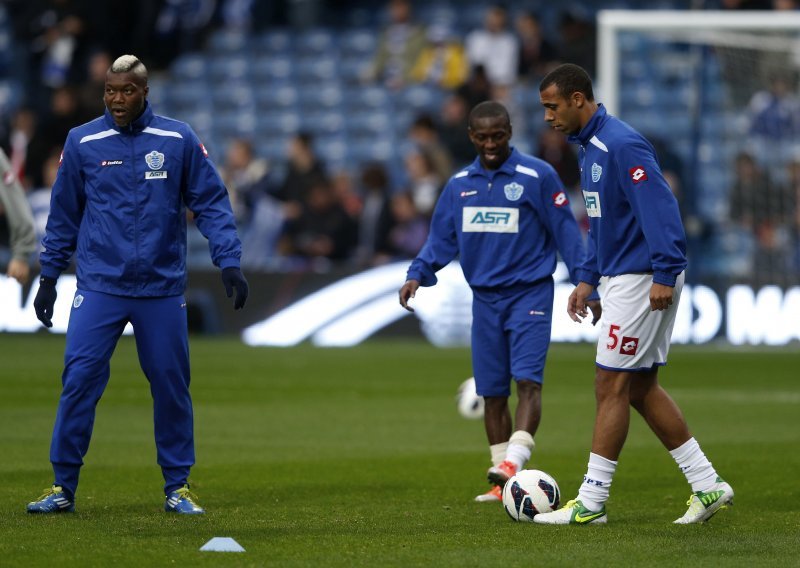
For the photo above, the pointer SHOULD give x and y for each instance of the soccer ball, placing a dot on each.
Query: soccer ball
(529, 493)
(470, 404)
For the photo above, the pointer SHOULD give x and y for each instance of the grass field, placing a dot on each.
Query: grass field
(357, 457)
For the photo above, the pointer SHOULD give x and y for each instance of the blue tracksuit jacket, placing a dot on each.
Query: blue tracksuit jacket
(119, 203)
(634, 221)
(507, 225)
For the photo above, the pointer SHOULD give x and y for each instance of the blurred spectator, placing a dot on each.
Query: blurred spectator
(578, 41)
(375, 220)
(424, 183)
(495, 48)
(244, 174)
(51, 131)
(774, 113)
(23, 128)
(346, 194)
(322, 230)
(477, 89)
(399, 47)
(454, 129)
(443, 61)
(39, 197)
(425, 136)
(536, 54)
(304, 169)
(54, 31)
(181, 26)
(409, 229)
(762, 209)
(90, 91)
(553, 148)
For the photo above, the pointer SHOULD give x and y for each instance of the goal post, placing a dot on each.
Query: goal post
(703, 83)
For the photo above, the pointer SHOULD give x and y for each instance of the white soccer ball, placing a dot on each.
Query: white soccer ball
(470, 404)
(529, 493)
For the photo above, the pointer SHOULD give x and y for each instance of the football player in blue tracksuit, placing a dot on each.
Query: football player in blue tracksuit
(637, 249)
(119, 205)
(505, 216)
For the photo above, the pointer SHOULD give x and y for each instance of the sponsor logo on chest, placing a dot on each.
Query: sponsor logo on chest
(490, 220)
(592, 201)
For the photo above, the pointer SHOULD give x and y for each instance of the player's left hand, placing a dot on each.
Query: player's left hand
(233, 279)
(597, 310)
(660, 296)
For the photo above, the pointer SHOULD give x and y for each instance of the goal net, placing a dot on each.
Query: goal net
(719, 95)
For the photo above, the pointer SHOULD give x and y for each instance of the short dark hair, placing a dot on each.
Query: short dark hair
(489, 109)
(569, 78)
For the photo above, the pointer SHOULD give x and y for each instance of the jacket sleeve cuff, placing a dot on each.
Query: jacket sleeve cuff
(587, 276)
(50, 272)
(424, 278)
(665, 278)
(229, 262)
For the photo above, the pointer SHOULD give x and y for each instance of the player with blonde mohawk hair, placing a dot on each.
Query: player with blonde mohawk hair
(119, 206)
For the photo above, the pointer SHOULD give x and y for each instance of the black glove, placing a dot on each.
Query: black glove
(45, 300)
(232, 277)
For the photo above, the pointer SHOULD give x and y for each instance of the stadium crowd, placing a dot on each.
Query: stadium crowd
(298, 210)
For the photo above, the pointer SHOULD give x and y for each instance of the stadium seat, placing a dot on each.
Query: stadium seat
(189, 67)
(333, 149)
(368, 97)
(373, 123)
(324, 96)
(368, 150)
(274, 41)
(358, 42)
(420, 97)
(237, 96)
(316, 69)
(329, 123)
(187, 95)
(278, 123)
(234, 123)
(228, 42)
(272, 68)
(276, 96)
(225, 68)
(315, 41)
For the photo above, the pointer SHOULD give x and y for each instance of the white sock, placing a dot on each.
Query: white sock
(520, 446)
(597, 482)
(498, 452)
(694, 464)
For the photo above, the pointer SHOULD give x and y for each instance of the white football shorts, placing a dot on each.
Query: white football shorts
(632, 337)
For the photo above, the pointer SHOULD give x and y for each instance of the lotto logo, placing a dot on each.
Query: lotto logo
(629, 345)
(637, 174)
(560, 199)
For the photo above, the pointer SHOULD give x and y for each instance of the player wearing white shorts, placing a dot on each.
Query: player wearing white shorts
(637, 247)
(633, 337)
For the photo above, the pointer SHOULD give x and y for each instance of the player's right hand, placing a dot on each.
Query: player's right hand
(408, 291)
(45, 300)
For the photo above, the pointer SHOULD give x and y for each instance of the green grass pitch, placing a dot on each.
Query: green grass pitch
(357, 457)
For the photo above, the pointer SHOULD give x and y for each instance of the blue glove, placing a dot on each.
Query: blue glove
(232, 278)
(45, 300)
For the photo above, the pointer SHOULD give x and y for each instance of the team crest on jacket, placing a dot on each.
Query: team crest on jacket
(155, 160)
(513, 191)
(76, 303)
(597, 171)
